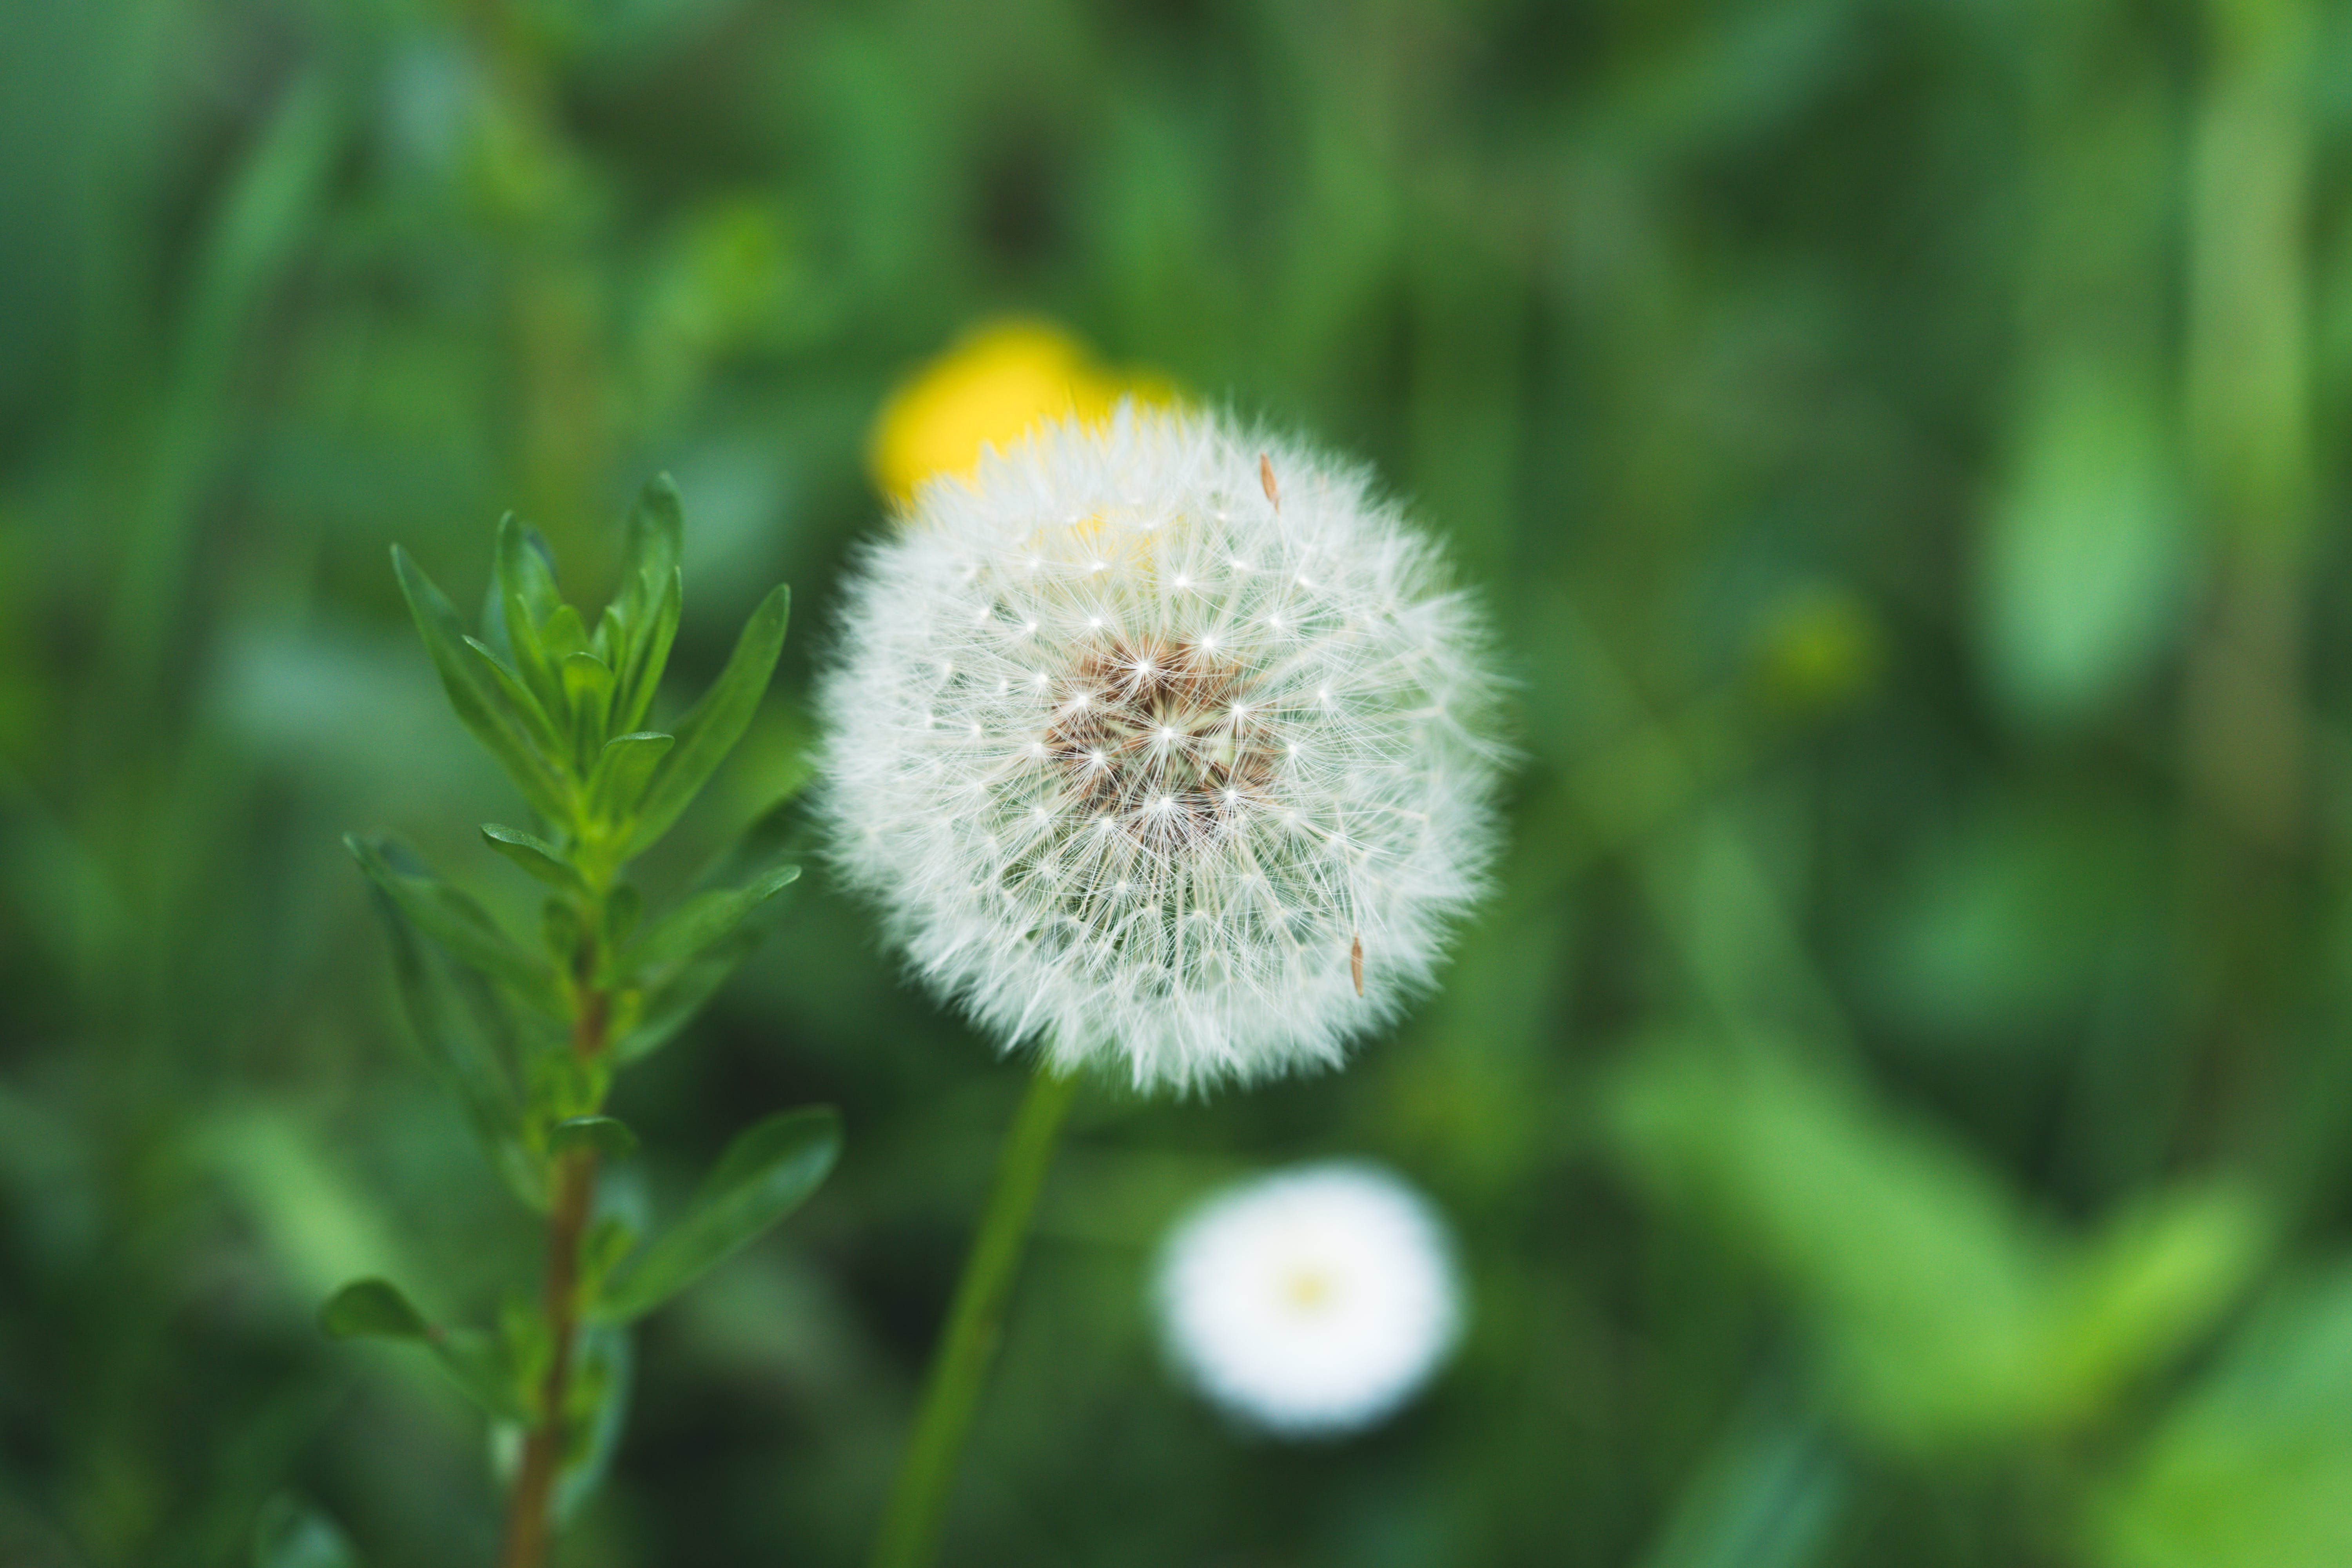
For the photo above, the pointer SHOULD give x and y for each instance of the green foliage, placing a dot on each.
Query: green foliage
(766, 1173)
(707, 730)
(471, 1039)
(557, 706)
(2086, 555)
(372, 1306)
(2256, 1466)
(599, 1410)
(476, 1362)
(1878, 1227)
(462, 927)
(606, 1135)
(701, 923)
(546, 697)
(294, 1534)
(1890, 441)
(536, 855)
(1768, 1497)
(505, 719)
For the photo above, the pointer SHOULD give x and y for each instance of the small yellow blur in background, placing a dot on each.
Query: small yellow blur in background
(1819, 650)
(987, 389)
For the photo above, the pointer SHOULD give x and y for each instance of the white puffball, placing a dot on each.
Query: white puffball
(1313, 1301)
(1162, 742)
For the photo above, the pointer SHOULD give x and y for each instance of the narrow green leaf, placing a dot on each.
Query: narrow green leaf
(2152, 1284)
(523, 577)
(525, 567)
(2089, 554)
(376, 1309)
(561, 635)
(657, 1018)
(588, 695)
(697, 923)
(538, 722)
(460, 924)
(373, 1309)
(622, 908)
(523, 1341)
(713, 725)
(656, 542)
(608, 1241)
(469, 1040)
(1875, 1224)
(482, 710)
(2250, 1464)
(611, 642)
(273, 197)
(780, 834)
(1770, 1496)
(493, 626)
(599, 1408)
(647, 614)
(560, 934)
(534, 855)
(674, 1004)
(766, 1173)
(650, 655)
(623, 770)
(606, 1135)
(477, 1363)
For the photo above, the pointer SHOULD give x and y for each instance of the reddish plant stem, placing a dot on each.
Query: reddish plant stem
(529, 1528)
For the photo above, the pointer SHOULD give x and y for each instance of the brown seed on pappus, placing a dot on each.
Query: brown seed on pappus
(1266, 478)
(1356, 962)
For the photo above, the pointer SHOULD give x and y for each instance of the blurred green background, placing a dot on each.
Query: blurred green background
(1897, 1108)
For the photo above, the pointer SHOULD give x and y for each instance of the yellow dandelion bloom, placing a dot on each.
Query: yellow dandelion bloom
(987, 388)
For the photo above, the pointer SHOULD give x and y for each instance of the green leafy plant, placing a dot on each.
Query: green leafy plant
(527, 1031)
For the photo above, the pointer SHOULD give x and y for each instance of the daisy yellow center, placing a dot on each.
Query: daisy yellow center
(1309, 1289)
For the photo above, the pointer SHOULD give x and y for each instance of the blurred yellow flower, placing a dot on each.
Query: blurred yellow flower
(1819, 648)
(986, 389)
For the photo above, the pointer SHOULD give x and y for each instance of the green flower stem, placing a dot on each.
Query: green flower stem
(529, 1529)
(910, 1529)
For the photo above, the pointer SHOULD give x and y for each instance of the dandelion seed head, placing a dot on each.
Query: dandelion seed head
(1311, 1302)
(1177, 812)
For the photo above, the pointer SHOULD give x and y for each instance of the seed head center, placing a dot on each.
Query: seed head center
(1163, 738)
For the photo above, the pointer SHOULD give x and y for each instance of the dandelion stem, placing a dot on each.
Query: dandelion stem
(910, 1529)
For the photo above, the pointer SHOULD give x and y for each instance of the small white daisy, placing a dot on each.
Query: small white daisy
(1313, 1301)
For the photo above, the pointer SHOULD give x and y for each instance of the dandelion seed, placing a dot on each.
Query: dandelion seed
(1311, 1302)
(1183, 781)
